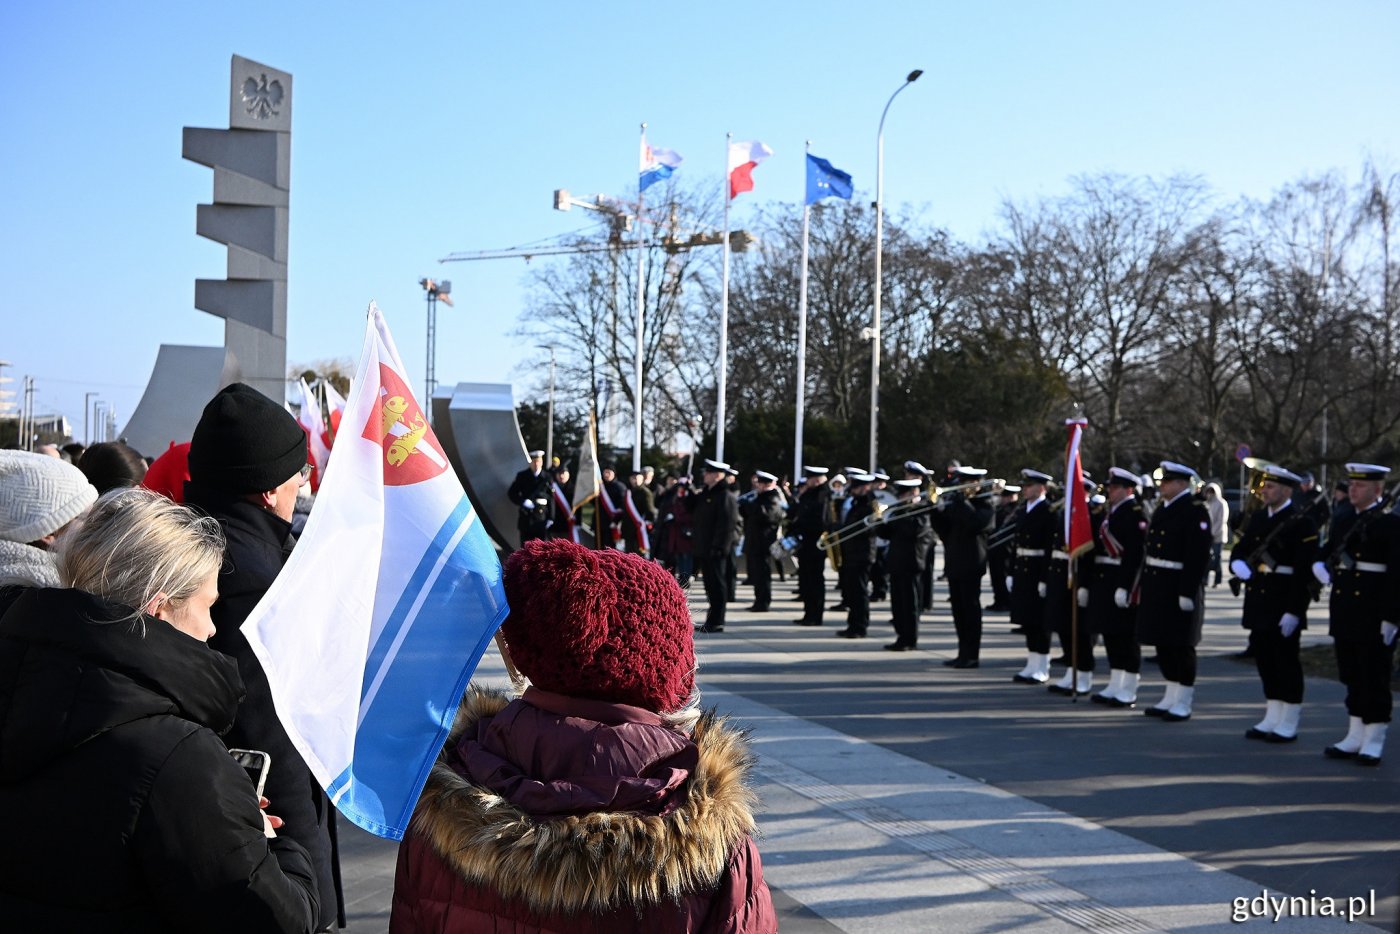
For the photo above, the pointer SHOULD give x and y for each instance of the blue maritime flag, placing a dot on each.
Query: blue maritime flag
(824, 180)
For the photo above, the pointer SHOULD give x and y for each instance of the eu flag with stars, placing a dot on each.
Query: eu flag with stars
(824, 180)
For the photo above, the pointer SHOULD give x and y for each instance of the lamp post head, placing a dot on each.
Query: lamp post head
(914, 75)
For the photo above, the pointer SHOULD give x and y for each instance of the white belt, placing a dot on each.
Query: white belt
(1105, 559)
(1282, 569)
(1372, 567)
(1058, 555)
(1163, 563)
(1031, 552)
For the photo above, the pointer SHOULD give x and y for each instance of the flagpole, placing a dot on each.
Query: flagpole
(723, 313)
(802, 332)
(641, 332)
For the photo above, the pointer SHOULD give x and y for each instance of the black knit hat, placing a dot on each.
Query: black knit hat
(245, 443)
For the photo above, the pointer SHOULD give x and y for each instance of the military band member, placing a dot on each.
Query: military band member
(962, 520)
(715, 514)
(999, 545)
(762, 510)
(1035, 538)
(808, 523)
(1171, 611)
(1274, 558)
(910, 537)
(857, 553)
(913, 470)
(1363, 566)
(1118, 541)
(530, 492)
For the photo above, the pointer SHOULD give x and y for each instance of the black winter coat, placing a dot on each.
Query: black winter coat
(258, 546)
(124, 810)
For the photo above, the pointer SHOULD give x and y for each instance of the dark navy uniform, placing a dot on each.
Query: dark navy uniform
(530, 491)
(1175, 562)
(808, 523)
(963, 523)
(1364, 561)
(715, 515)
(999, 555)
(762, 512)
(1118, 545)
(1035, 538)
(910, 539)
(857, 555)
(1279, 550)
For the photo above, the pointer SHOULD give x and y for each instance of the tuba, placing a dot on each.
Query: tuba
(830, 541)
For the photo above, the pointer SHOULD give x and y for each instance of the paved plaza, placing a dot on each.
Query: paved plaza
(900, 795)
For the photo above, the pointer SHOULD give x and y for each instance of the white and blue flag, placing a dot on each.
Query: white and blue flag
(371, 631)
(657, 164)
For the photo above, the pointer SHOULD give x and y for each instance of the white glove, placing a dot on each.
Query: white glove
(1082, 595)
(1008, 583)
(1388, 631)
(1186, 604)
(1041, 589)
(1240, 569)
(1320, 572)
(1288, 624)
(1120, 598)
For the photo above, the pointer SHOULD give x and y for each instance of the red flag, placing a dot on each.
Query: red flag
(1079, 536)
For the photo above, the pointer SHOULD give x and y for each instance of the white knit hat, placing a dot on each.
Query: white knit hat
(39, 495)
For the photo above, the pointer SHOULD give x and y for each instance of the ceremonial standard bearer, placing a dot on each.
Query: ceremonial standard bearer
(1118, 540)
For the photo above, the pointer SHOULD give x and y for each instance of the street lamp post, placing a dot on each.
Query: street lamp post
(87, 402)
(435, 290)
(549, 429)
(100, 407)
(879, 232)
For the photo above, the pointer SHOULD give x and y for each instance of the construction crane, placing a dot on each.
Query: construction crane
(620, 221)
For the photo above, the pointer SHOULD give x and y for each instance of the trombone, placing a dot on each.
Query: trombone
(924, 502)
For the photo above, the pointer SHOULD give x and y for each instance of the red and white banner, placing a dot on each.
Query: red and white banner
(1078, 533)
(563, 512)
(310, 418)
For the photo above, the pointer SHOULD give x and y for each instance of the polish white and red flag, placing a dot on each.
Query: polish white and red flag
(744, 157)
(1079, 534)
(319, 448)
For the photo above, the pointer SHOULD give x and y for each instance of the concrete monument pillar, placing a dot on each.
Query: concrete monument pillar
(252, 176)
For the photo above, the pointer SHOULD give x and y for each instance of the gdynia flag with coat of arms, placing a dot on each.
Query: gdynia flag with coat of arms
(371, 631)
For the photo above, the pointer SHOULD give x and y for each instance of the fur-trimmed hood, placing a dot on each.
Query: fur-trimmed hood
(597, 861)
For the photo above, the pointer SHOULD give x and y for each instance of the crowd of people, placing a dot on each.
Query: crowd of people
(1159, 540)
(125, 683)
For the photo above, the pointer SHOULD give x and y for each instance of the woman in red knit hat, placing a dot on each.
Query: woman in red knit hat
(600, 800)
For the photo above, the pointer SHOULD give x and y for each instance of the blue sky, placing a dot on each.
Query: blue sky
(428, 128)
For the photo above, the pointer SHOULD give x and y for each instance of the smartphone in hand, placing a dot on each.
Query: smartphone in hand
(255, 763)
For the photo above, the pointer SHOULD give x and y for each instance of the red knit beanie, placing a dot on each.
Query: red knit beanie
(599, 624)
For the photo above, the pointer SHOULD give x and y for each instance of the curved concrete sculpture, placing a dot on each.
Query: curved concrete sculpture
(477, 427)
(182, 381)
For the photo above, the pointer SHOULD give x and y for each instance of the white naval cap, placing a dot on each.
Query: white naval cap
(765, 476)
(862, 477)
(918, 468)
(1277, 474)
(814, 471)
(714, 466)
(912, 483)
(536, 454)
(1035, 476)
(972, 473)
(1171, 470)
(1123, 477)
(1366, 472)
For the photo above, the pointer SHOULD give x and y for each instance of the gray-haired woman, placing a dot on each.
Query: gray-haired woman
(124, 810)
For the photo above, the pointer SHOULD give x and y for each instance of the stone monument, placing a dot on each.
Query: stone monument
(252, 178)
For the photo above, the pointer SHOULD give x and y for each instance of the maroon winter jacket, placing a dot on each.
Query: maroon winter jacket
(558, 814)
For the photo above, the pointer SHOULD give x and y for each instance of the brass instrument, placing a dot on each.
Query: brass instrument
(919, 505)
(832, 548)
(1253, 497)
